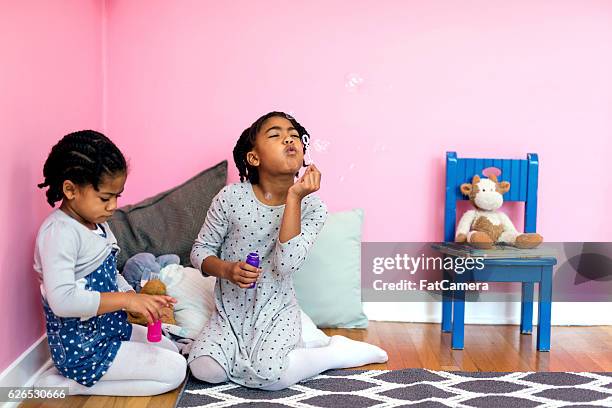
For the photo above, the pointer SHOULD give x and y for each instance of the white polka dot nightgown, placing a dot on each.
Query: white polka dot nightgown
(253, 330)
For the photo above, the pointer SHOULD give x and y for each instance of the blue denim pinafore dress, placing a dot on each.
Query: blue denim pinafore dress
(83, 350)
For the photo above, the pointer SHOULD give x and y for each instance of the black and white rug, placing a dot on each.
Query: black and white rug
(413, 387)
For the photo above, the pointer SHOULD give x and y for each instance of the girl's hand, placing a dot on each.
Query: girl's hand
(308, 183)
(241, 273)
(149, 306)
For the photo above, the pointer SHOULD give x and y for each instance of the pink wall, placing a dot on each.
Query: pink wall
(479, 77)
(50, 84)
(174, 83)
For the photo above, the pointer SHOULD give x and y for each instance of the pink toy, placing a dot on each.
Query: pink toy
(154, 331)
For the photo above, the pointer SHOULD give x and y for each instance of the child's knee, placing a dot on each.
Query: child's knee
(168, 344)
(207, 369)
(175, 370)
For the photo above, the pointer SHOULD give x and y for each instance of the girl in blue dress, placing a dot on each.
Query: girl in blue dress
(94, 349)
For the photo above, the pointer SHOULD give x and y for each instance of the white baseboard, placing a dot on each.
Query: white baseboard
(563, 313)
(27, 367)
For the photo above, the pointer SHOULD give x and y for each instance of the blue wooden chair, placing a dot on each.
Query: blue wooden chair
(523, 178)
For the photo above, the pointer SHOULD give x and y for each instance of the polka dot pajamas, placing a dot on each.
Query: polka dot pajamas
(83, 350)
(253, 330)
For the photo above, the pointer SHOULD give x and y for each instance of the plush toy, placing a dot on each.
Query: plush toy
(133, 271)
(143, 262)
(154, 287)
(485, 226)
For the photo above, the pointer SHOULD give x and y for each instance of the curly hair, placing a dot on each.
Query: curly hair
(246, 142)
(83, 157)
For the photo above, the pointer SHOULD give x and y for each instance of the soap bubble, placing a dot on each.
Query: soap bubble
(353, 81)
(268, 196)
(341, 179)
(320, 145)
(352, 166)
(380, 148)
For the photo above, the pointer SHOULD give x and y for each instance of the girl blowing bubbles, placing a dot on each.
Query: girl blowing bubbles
(254, 337)
(93, 347)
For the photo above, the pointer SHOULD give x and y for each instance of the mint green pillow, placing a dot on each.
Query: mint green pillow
(328, 285)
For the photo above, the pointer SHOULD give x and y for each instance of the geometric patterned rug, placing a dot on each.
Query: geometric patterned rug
(413, 387)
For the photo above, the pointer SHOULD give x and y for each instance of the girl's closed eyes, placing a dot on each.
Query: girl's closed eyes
(107, 199)
(296, 136)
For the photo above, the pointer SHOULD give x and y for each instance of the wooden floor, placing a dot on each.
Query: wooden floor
(487, 348)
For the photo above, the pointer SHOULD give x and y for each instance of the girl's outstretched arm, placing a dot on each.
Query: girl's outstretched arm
(68, 297)
(149, 306)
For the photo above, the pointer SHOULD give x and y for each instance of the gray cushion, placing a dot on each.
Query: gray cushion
(169, 222)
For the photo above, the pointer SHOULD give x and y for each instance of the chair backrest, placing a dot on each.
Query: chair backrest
(521, 174)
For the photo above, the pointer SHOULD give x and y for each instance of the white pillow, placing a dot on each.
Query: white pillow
(196, 304)
(195, 299)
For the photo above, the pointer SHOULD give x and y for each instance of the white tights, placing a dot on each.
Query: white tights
(303, 363)
(139, 368)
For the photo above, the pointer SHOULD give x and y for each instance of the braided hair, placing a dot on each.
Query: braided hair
(83, 157)
(246, 142)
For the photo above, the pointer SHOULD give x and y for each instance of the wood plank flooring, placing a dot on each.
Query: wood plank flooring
(487, 348)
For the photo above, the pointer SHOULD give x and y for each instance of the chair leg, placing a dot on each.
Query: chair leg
(527, 308)
(447, 305)
(458, 319)
(544, 309)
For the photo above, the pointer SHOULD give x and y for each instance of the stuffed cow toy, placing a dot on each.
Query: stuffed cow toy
(485, 225)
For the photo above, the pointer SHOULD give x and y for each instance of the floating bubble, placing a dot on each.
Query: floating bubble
(268, 196)
(320, 145)
(341, 179)
(352, 166)
(380, 148)
(353, 81)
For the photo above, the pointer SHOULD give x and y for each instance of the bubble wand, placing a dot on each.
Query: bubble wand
(306, 141)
